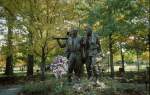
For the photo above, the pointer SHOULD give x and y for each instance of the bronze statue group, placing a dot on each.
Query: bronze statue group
(80, 51)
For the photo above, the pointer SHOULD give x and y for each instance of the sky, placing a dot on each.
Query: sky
(3, 30)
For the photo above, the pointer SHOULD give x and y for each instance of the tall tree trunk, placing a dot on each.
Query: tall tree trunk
(111, 56)
(9, 57)
(30, 65)
(9, 65)
(149, 47)
(137, 58)
(30, 61)
(43, 60)
(122, 59)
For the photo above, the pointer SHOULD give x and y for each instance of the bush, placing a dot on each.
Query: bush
(40, 88)
(107, 86)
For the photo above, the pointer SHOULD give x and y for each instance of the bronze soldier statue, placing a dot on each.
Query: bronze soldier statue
(92, 49)
(64, 44)
(73, 49)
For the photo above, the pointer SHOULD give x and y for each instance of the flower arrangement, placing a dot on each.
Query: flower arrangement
(59, 66)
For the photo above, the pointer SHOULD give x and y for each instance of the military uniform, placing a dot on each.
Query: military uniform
(92, 49)
(73, 48)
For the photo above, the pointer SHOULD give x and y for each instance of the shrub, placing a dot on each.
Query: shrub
(38, 88)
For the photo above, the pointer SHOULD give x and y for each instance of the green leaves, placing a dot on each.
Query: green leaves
(46, 18)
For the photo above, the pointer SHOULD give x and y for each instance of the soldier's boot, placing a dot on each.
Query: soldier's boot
(70, 72)
(77, 79)
(90, 75)
(96, 75)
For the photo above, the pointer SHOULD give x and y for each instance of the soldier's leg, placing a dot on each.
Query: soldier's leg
(88, 67)
(95, 68)
(70, 69)
(75, 67)
(79, 67)
(81, 73)
(96, 72)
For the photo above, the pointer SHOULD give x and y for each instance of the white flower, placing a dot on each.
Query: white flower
(59, 66)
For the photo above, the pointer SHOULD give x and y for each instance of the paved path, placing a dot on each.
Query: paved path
(10, 90)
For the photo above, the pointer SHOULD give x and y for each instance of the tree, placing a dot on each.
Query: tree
(9, 13)
(46, 24)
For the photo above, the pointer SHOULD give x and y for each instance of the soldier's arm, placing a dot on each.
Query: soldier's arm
(60, 44)
(67, 49)
(98, 45)
(82, 43)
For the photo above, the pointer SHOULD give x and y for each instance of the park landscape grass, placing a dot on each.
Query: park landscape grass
(62, 87)
(132, 84)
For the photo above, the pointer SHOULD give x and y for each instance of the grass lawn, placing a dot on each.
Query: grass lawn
(52, 86)
(107, 86)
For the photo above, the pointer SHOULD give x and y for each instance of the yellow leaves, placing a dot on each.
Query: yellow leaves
(145, 56)
(141, 1)
(52, 44)
(85, 25)
(2, 60)
(20, 62)
(120, 18)
(96, 25)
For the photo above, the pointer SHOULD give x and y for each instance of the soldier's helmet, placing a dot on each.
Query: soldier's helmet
(88, 29)
(74, 31)
(71, 31)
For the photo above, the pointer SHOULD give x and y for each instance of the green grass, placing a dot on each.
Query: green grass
(62, 87)
(48, 87)
(38, 88)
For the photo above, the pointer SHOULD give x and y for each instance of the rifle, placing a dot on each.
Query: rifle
(62, 38)
(58, 40)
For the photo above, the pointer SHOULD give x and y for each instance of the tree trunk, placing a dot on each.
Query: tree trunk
(138, 63)
(111, 56)
(149, 47)
(30, 61)
(122, 59)
(9, 65)
(30, 65)
(109, 63)
(43, 60)
(9, 56)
